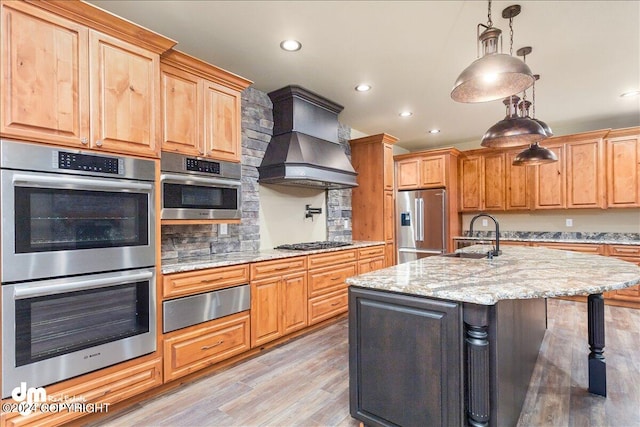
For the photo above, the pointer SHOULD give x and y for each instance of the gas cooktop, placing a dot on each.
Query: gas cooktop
(309, 246)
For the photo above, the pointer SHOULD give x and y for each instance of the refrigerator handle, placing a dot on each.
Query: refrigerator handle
(416, 220)
(421, 221)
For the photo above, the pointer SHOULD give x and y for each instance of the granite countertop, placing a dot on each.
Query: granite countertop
(593, 238)
(519, 273)
(179, 265)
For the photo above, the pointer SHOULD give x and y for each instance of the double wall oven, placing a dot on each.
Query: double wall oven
(78, 262)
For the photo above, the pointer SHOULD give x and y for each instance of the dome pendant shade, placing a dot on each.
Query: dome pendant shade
(494, 76)
(513, 132)
(535, 155)
(544, 126)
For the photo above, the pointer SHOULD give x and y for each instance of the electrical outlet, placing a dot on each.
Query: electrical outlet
(569, 222)
(485, 222)
(346, 223)
(223, 229)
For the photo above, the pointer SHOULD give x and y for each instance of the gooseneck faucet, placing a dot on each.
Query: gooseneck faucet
(496, 251)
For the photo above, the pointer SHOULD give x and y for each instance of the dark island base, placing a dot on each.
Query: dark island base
(417, 361)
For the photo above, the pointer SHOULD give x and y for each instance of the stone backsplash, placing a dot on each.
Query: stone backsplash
(257, 129)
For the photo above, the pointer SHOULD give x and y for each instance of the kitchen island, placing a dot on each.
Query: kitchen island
(453, 340)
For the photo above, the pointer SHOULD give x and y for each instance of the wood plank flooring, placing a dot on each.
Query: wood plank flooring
(305, 382)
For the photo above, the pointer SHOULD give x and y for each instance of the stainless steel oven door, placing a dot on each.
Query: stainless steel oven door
(186, 196)
(53, 330)
(57, 225)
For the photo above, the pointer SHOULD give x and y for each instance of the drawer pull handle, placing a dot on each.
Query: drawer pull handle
(333, 279)
(215, 279)
(207, 347)
(334, 304)
(281, 268)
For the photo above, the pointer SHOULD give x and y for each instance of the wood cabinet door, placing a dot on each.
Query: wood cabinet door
(549, 182)
(44, 76)
(408, 174)
(182, 110)
(585, 174)
(623, 171)
(294, 302)
(389, 254)
(517, 184)
(494, 179)
(221, 122)
(432, 171)
(389, 208)
(387, 161)
(125, 90)
(471, 183)
(265, 311)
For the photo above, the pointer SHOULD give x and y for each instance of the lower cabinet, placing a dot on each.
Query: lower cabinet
(196, 347)
(628, 297)
(106, 387)
(327, 295)
(278, 301)
(372, 258)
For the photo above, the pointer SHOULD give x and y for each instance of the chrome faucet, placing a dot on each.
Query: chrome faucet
(496, 251)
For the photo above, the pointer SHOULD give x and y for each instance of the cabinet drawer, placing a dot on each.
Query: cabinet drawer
(260, 270)
(192, 282)
(633, 291)
(374, 251)
(199, 347)
(322, 260)
(367, 265)
(98, 387)
(329, 279)
(326, 306)
(624, 251)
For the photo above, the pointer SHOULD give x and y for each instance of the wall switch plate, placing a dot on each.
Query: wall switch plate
(346, 223)
(569, 222)
(223, 229)
(485, 222)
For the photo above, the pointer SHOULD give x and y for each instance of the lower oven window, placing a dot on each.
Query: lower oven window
(50, 326)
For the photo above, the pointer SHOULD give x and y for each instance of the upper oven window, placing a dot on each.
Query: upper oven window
(48, 219)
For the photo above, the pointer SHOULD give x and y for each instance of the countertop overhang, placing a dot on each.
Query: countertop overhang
(519, 273)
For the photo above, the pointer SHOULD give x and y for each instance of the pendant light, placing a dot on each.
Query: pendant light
(495, 75)
(535, 154)
(515, 130)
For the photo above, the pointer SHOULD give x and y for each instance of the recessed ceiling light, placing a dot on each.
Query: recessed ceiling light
(631, 93)
(290, 45)
(434, 131)
(363, 87)
(406, 114)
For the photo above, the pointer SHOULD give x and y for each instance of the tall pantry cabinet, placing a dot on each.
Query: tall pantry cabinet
(373, 200)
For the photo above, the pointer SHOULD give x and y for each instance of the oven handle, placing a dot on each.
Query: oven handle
(81, 285)
(60, 181)
(173, 178)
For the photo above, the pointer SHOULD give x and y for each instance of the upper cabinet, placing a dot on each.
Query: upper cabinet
(99, 75)
(200, 108)
(482, 181)
(577, 179)
(426, 171)
(623, 168)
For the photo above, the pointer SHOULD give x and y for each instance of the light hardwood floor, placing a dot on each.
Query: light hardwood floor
(305, 382)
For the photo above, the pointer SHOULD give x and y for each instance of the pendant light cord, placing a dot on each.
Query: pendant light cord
(533, 106)
(489, 21)
(511, 35)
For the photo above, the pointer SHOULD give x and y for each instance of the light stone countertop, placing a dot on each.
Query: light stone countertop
(179, 265)
(591, 238)
(519, 273)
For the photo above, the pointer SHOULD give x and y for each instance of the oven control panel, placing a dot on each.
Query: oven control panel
(89, 163)
(197, 165)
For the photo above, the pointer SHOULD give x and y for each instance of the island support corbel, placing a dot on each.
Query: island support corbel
(597, 364)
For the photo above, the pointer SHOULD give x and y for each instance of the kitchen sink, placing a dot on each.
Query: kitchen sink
(474, 255)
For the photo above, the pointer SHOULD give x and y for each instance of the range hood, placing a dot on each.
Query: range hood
(304, 150)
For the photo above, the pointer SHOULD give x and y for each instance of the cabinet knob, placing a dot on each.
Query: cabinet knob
(99, 143)
(84, 141)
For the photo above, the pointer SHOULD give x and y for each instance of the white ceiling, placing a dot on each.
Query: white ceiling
(411, 52)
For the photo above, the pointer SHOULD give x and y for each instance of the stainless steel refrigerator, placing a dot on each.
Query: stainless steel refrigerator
(420, 227)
